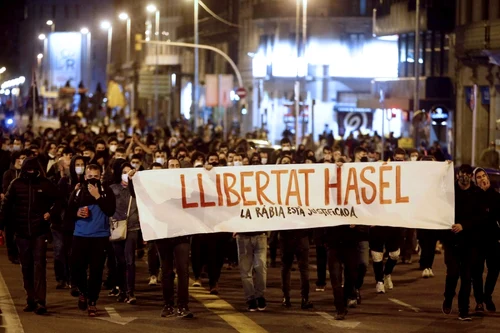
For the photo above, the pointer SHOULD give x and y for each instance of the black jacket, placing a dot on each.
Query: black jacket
(8, 177)
(490, 229)
(27, 200)
(344, 235)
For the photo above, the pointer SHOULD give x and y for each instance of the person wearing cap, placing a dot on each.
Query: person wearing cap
(29, 205)
(489, 247)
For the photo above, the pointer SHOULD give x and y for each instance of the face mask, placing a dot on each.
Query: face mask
(135, 166)
(50, 136)
(125, 178)
(222, 162)
(73, 132)
(112, 148)
(95, 182)
(464, 180)
(214, 164)
(237, 163)
(286, 148)
(16, 148)
(198, 164)
(121, 138)
(160, 160)
(264, 161)
(413, 158)
(364, 159)
(79, 170)
(372, 160)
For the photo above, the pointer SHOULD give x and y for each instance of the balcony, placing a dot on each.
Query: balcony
(477, 39)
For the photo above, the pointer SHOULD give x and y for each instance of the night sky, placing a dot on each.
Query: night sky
(11, 14)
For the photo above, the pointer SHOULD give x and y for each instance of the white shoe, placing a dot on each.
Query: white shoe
(431, 273)
(425, 273)
(380, 288)
(153, 280)
(388, 282)
(197, 283)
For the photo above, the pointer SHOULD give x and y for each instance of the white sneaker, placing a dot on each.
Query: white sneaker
(380, 288)
(153, 281)
(431, 273)
(388, 282)
(197, 283)
(425, 273)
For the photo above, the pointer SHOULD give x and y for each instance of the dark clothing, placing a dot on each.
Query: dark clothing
(343, 259)
(174, 250)
(4, 165)
(294, 245)
(61, 243)
(8, 177)
(125, 262)
(489, 254)
(33, 258)
(321, 256)
(153, 259)
(199, 254)
(28, 198)
(427, 240)
(387, 238)
(216, 252)
(89, 254)
(123, 199)
(66, 187)
(458, 260)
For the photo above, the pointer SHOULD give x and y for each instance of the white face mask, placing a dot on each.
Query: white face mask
(264, 161)
(112, 148)
(135, 166)
(160, 160)
(125, 178)
(79, 170)
(413, 158)
(238, 163)
(16, 148)
(286, 148)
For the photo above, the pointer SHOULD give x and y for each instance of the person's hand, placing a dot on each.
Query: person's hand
(78, 186)
(132, 173)
(235, 234)
(456, 228)
(46, 216)
(339, 164)
(94, 191)
(82, 212)
(2, 196)
(352, 226)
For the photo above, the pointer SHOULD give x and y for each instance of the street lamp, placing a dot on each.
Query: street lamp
(152, 9)
(88, 76)
(42, 36)
(2, 70)
(297, 45)
(125, 17)
(84, 31)
(105, 25)
(39, 56)
(52, 25)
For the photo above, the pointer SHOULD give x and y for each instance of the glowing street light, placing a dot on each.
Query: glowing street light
(39, 56)
(105, 25)
(50, 22)
(42, 36)
(123, 16)
(2, 70)
(84, 30)
(151, 8)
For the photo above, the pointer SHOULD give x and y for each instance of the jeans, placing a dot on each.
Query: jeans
(458, 260)
(168, 250)
(89, 254)
(61, 243)
(343, 259)
(489, 253)
(427, 240)
(125, 262)
(33, 258)
(363, 251)
(298, 248)
(252, 256)
(153, 259)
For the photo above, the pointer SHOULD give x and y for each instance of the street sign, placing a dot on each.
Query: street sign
(241, 92)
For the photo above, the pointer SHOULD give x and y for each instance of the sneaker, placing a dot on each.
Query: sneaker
(214, 290)
(168, 311)
(197, 283)
(286, 302)
(184, 312)
(30, 307)
(252, 305)
(114, 292)
(431, 273)
(340, 315)
(82, 302)
(351, 303)
(261, 303)
(380, 288)
(490, 306)
(40, 309)
(131, 299)
(320, 288)
(74, 291)
(122, 298)
(153, 281)
(61, 285)
(464, 317)
(426, 274)
(358, 296)
(388, 282)
(479, 309)
(306, 304)
(92, 310)
(447, 306)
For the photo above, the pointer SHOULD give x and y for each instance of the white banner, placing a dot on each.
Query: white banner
(181, 202)
(65, 53)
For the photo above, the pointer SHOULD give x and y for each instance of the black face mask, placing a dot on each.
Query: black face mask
(222, 162)
(214, 164)
(95, 182)
(364, 159)
(255, 163)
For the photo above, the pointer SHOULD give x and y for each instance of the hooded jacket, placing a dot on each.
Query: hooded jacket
(8, 177)
(490, 200)
(123, 199)
(28, 198)
(97, 224)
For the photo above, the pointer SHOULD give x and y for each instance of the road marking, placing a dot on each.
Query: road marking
(406, 305)
(114, 317)
(223, 309)
(11, 321)
(339, 323)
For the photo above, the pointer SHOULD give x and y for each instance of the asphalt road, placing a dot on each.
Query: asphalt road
(413, 306)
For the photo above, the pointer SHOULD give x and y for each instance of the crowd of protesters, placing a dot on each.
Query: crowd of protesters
(69, 184)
